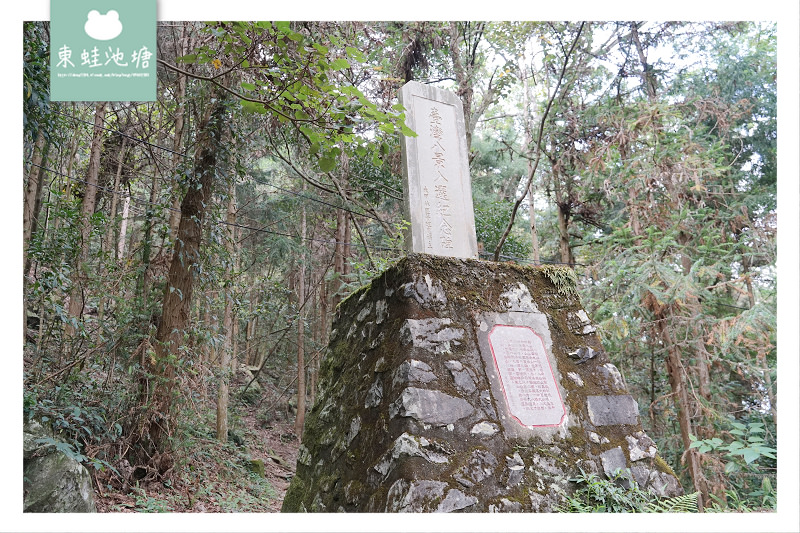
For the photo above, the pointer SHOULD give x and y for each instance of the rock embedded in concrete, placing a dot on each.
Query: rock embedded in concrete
(614, 463)
(374, 394)
(515, 470)
(518, 298)
(612, 410)
(456, 501)
(576, 379)
(416, 496)
(484, 429)
(657, 482)
(413, 371)
(640, 446)
(431, 334)
(505, 506)
(579, 323)
(430, 406)
(611, 376)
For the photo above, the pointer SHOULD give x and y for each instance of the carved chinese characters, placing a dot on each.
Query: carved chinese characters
(526, 377)
(438, 194)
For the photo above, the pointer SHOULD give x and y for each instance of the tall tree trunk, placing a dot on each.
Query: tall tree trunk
(177, 142)
(529, 106)
(301, 364)
(152, 438)
(464, 69)
(145, 280)
(339, 256)
(76, 295)
(123, 227)
(108, 240)
(346, 247)
(563, 221)
(679, 386)
(693, 303)
(32, 192)
(227, 324)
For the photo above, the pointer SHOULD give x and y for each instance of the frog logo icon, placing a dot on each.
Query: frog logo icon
(102, 27)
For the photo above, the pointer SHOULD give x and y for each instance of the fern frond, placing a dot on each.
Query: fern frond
(686, 503)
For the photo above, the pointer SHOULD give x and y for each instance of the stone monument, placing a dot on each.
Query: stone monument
(453, 384)
(436, 187)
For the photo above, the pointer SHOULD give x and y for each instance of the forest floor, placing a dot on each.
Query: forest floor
(211, 476)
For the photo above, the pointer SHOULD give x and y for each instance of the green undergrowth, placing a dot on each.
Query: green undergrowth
(597, 495)
(209, 475)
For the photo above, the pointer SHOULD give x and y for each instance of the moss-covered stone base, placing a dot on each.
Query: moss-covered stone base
(411, 415)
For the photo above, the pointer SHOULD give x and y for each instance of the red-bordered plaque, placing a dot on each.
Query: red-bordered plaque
(526, 376)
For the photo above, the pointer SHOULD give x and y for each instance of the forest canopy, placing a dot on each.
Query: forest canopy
(167, 244)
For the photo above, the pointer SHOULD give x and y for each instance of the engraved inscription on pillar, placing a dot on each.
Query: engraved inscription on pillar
(436, 185)
(440, 153)
(526, 376)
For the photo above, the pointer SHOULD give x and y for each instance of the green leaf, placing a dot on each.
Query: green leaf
(355, 54)
(189, 58)
(750, 455)
(339, 64)
(248, 86)
(326, 164)
(731, 467)
(283, 26)
(408, 132)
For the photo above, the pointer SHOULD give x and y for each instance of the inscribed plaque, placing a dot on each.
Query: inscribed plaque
(437, 188)
(526, 376)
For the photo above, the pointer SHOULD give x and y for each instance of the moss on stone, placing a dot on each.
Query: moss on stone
(562, 277)
(663, 466)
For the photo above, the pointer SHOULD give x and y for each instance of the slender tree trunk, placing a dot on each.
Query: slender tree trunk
(249, 330)
(693, 303)
(678, 384)
(346, 248)
(301, 364)
(152, 438)
(123, 227)
(530, 122)
(563, 221)
(76, 296)
(227, 324)
(339, 256)
(30, 213)
(177, 143)
(108, 241)
(145, 281)
(32, 191)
